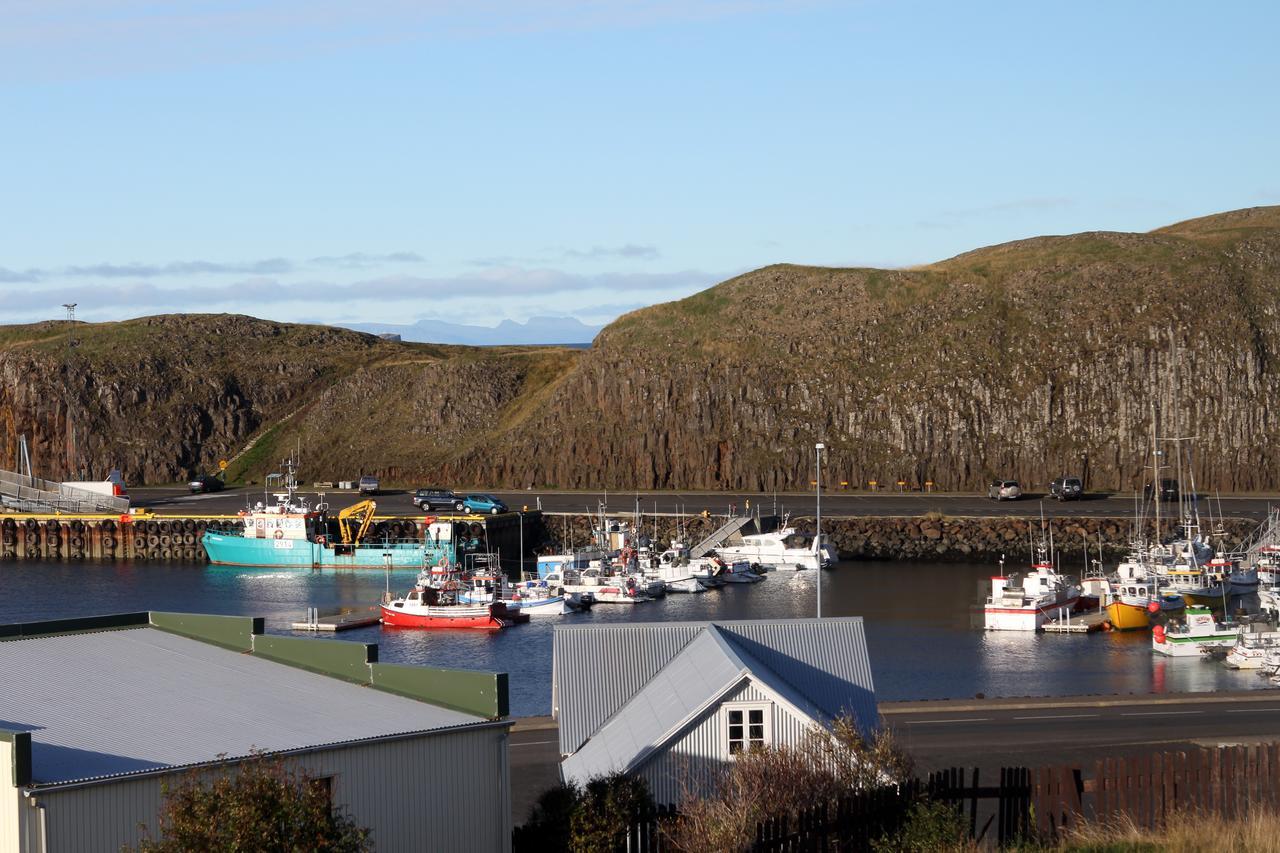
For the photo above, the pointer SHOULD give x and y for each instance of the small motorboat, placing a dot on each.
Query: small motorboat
(434, 603)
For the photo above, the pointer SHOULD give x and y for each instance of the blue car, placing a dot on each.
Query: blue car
(480, 504)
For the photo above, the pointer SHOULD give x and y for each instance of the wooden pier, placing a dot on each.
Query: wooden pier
(1077, 623)
(338, 621)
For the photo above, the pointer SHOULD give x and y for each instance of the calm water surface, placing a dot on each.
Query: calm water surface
(917, 618)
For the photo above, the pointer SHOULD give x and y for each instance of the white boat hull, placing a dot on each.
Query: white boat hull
(1031, 618)
(1174, 648)
(556, 606)
(685, 585)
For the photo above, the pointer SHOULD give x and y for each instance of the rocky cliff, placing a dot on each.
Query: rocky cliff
(1027, 360)
(1030, 359)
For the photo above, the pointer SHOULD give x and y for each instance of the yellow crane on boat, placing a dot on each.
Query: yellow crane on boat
(361, 513)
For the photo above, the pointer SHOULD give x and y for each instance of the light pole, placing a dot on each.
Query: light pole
(817, 537)
(66, 380)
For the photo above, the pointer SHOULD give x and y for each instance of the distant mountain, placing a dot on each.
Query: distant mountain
(538, 330)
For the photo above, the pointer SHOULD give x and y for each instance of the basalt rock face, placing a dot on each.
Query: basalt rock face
(160, 397)
(1030, 360)
(1044, 357)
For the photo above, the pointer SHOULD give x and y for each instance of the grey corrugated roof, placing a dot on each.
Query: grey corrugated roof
(703, 670)
(591, 681)
(607, 673)
(825, 660)
(102, 704)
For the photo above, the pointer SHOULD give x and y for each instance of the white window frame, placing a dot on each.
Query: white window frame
(745, 708)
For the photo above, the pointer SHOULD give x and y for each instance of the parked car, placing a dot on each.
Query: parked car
(1067, 489)
(1168, 491)
(368, 485)
(206, 483)
(428, 499)
(480, 504)
(1004, 490)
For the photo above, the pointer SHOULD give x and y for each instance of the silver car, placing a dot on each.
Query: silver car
(1004, 490)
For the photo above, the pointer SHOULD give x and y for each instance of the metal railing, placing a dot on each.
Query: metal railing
(31, 494)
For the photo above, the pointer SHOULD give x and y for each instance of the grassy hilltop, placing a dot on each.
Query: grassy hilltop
(1028, 359)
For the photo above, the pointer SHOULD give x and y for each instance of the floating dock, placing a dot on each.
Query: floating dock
(1077, 623)
(338, 621)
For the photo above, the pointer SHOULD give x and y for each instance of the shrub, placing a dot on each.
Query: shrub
(548, 825)
(929, 827)
(721, 813)
(594, 819)
(605, 812)
(261, 805)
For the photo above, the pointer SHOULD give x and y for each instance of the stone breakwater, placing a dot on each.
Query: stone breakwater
(929, 537)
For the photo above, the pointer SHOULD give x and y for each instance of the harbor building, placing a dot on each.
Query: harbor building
(98, 714)
(673, 702)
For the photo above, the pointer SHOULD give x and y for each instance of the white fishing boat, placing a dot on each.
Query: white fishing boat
(604, 589)
(782, 550)
(1197, 632)
(1024, 602)
(1253, 642)
(1271, 664)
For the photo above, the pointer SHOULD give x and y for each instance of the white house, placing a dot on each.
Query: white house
(674, 700)
(97, 714)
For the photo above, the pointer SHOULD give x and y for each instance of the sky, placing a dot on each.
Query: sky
(399, 160)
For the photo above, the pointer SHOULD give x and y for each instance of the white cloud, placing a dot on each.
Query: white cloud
(488, 295)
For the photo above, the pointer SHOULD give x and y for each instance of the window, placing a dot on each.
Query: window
(324, 786)
(747, 727)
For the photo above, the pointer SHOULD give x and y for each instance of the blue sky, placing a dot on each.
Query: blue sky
(476, 161)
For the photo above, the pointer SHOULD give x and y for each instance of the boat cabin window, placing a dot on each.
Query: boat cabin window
(413, 596)
(747, 727)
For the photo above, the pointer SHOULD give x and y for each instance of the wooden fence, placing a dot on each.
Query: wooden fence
(1023, 803)
(1230, 781)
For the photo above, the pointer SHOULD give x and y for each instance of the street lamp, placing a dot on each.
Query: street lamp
(817, 538)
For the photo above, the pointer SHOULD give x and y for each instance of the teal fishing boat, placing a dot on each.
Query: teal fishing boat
(290, 534)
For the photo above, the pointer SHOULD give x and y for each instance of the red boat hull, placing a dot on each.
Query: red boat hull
(492, 618)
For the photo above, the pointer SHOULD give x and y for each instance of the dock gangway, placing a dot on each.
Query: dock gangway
(729, 528)
(1265, 540)
(24, 493)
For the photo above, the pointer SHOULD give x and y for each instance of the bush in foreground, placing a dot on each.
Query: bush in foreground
(593, 819)
(261, 805)
(779, 781)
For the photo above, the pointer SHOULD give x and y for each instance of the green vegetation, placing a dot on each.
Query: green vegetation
(262, 804)
(1019, 360)
(779, 781)
(592, 819)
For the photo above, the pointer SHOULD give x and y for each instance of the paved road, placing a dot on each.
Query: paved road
(174, 500)
(990, 734)
(995, 733)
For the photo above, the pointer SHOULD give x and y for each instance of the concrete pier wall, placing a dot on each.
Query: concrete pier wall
(878, 538)
(930, 537)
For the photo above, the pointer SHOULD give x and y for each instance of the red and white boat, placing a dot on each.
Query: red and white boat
(428, 606)
(1025, 602)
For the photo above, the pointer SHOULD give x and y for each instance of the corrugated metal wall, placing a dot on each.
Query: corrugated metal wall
(437, 792)
(10, 801)
(703, 752)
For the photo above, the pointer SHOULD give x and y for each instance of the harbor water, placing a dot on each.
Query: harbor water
(917, 618)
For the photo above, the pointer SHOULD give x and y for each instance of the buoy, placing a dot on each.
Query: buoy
(1158, 633)
(1153, 607)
